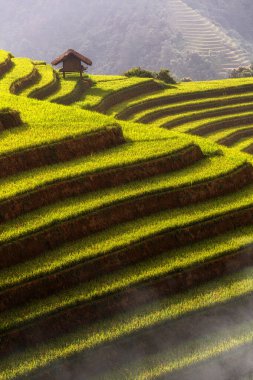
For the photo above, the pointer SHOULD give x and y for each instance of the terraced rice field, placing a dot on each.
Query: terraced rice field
(206, 38)
(126, 234)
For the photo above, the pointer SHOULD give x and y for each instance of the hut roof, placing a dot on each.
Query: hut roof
(69, 53)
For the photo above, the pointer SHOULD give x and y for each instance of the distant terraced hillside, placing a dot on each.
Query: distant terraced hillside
(126, 230)
(206, 38)
(143, 33)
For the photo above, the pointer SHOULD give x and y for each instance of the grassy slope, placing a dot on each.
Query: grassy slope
(46, 122)
(203, 171)
(106, 86)
(163, 265)
(46, 78)
(66, 87)
(204, 103)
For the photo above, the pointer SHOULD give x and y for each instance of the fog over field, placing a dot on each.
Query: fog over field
(118, 35)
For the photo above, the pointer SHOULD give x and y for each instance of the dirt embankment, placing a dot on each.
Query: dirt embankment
(6, 66)
(163, 100)
(176, 110)
(9, 119)
(76, 94)
(86, 314)
(208, 114)
(249, 149)
(49, 89)
(231, 139)
(74, 229)
(96, 181)
(20, 84)
(61, 151)
(68, 320)
(85, 271)
(212, 127)
(126, 94)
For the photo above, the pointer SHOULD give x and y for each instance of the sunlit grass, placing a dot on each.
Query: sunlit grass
(190, 87)
(46, 122)
(185, 119)
(207, 105)
(204, 103)
(67, 86)
(77, 206)
(127, 154)
(126, 234)
(195, 125)
(105, 87)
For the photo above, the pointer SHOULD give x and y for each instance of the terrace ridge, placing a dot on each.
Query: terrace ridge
(22, 83)
(236, 136)
(46, 90)
(74, 95)
(160, 113)
(6, 65)
(60, 151)
(217, 125)
(79, 273)
(50, 193)
(64, 321)
(216, 112)
(125, 94)
(131, 110)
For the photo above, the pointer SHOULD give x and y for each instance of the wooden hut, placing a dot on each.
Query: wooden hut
(72, 62)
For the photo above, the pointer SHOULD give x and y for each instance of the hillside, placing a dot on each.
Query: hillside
(120, 35)
(126, 213)
(235, 16)
(208, 40)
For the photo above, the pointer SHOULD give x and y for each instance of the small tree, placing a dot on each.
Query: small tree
(165, 76)
(139, 72)
(242, 72)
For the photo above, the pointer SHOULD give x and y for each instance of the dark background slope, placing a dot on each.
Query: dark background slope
(115, 34)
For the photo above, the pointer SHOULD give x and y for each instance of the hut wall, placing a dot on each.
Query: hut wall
(72, 64)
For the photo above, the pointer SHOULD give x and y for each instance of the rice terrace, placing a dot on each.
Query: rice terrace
(126, 211)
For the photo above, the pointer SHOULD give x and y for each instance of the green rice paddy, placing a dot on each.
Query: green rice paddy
(189, 106)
